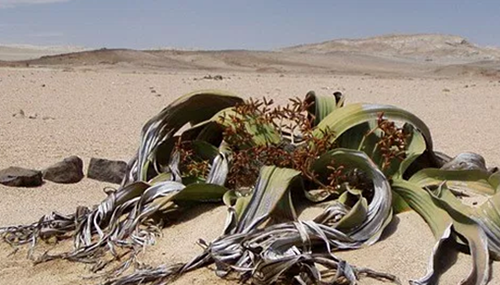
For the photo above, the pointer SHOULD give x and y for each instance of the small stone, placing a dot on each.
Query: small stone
(20, 177)
(107, 170)
(33, 116)
(446, 90)
(20, 114)
(70, 170)
(215, 77)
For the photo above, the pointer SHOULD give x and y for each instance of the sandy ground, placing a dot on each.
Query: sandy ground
(100, 113)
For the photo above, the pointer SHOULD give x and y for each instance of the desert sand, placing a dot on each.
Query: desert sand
(96, 109)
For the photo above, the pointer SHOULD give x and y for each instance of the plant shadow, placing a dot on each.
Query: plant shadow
(187, 213)
(391, 228)
(445, 260)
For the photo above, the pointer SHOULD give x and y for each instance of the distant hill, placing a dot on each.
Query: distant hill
(394, 55)
(25, 52)
(430, 47)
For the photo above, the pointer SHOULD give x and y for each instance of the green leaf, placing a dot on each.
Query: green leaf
(320, 106)
(447, 215)
(166, 176)
(360, 137)
(415, 148)
(204, 150)
(459, 181)
(262, 134)
(467, 227)
(185, 195)
(355, 216)
(343, 119)
(421, 201)
(399, 205)
(200, 193)
(237, 201)
(488, 216)
(272, 186)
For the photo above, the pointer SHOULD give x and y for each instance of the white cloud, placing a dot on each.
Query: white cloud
(13, 3)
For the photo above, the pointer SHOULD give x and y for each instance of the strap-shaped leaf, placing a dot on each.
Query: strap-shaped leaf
(415, 149)
(460, 181)
(190, 108)
(272, 186)
(466, 161)
(446, 215)
(356, 215)
(379, 212)
(320, 106)
(467, 227)
(262, 133)
(219, 170)
(343, 119)
(193, 193)
(420, 201)
(488, 216)
(438, 251)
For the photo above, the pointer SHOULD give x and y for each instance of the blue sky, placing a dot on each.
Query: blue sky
(233, 24)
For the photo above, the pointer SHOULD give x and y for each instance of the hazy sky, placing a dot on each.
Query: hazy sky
(233, 24)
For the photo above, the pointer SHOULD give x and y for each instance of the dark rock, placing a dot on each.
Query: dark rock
(20, 177)
(20, 114)
(212, 77)
(107, 170)
(70, 170)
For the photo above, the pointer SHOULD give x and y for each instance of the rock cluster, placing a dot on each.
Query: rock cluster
(69, 170)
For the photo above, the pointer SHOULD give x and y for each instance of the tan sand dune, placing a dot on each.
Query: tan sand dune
(98, 111)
